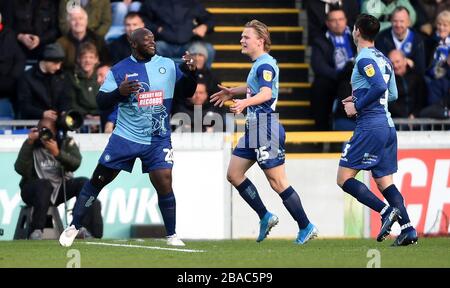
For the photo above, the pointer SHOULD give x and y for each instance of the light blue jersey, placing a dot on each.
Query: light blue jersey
(264, 137)
(144, 116)
(264, 73)
(373, 85)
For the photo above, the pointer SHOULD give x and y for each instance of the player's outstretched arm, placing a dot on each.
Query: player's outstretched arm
(265, 94)
(225, 94)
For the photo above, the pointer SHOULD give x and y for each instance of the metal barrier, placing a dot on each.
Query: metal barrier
(401, 124)
(421, 124)
(23, 126)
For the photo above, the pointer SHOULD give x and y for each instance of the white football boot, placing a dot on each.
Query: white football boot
(67, 236)
(173, 240)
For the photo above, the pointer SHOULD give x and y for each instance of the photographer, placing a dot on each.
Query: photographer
(40, 162)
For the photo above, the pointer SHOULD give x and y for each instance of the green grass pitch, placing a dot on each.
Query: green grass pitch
(429, 252)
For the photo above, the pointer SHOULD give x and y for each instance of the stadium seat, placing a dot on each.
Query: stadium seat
(53, 227)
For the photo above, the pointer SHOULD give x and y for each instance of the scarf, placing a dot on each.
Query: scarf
(440, 57)
(406, 44)
(342, 48)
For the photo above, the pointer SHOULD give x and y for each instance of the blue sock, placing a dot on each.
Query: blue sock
(87, 196)
(360, 191)
(395, 199)
(167, 206)
(293, 204)
(248, 191)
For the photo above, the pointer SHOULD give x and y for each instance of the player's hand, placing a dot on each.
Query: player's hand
(348, 99)
(200, 30)
(238, 106)
(222, 96)
(51, 146)
(350, 109)
(190, 61)
(33, 135)
(128, 87)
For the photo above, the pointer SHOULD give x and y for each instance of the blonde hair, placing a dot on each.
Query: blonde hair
(262, 31)
(443, 16)
(87, 47)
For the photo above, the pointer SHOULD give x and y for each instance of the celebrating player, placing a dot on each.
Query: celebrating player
(143, 86)
(264, 137)
(373, 145)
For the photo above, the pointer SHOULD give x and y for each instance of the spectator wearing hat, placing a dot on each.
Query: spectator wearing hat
(41, 90)
(206, 86)
(203, 72)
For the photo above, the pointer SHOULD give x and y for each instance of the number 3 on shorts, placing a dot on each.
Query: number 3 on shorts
(169, 155)
(344, 153)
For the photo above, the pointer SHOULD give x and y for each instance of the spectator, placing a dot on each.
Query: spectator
(200, 53)
(40, 162)
(410, 86)
(440, 46)
(439, 94)
(176, 24)
(12, 63)
(35, 23)
(120, 8)
(120, 47)
(41, 89)
(400, 37)
(317, 11)
(202, 115)
(84, 87)
(79, 33)
(432, 8)
(332, 62)
(99, 12)
(382, 9)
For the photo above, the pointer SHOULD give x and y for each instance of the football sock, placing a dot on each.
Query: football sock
(395, 199)
(87, 196)
(360, 191)
(167, 206)
(248, 191)
(293, 204)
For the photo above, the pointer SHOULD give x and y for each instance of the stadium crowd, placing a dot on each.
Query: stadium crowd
(93, 37)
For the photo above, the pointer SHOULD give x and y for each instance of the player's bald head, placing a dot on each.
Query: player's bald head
(139, 34)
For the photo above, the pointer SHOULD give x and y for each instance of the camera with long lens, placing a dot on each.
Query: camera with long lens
(67, 121)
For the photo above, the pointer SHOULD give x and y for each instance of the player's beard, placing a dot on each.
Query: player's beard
(146, 54)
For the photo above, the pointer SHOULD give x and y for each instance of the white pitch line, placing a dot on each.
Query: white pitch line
(144, 247)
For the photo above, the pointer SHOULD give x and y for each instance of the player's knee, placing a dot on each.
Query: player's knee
(278, 185)
(234, 178)
(341, 180)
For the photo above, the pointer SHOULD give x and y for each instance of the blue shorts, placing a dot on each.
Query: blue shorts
(121, 153)
(374, 150)
(268, 151)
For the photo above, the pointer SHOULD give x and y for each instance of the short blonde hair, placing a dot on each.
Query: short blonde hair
(443, 16)
(262, 31)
